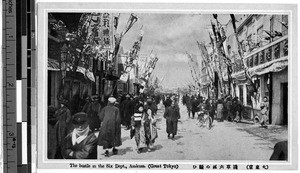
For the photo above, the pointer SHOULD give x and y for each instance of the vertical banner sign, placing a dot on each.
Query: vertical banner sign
(106, 31)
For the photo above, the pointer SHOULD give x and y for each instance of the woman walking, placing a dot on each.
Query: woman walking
(137, 125)
(150, 128)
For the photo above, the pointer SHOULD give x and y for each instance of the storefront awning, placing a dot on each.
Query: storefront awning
(53, 65)
(275, 66)
(239, 76)
(272, 66)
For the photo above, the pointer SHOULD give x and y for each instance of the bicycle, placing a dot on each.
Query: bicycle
(204, 120)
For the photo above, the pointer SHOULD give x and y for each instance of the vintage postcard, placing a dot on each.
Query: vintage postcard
(141, 86)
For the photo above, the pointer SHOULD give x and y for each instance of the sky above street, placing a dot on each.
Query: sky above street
(170, 35)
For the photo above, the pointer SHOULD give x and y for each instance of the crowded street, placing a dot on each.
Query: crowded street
(139, 89)
(224, 141)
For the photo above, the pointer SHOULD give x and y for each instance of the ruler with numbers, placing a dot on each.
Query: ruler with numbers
(18, 52)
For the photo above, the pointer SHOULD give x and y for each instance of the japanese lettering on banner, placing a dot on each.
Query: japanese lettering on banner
(106, 32)
(150, 67)
(133, 56)
(142, 64)
(133, 53)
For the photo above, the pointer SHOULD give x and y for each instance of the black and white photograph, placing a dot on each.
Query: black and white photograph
(173, 86)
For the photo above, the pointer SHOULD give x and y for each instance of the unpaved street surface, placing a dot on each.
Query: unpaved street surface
(225, 141)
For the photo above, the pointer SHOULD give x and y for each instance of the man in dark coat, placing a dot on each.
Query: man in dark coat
(62, 126)
(228, 109)
(211, 108)
(188, 105)
(127, 111)
(195, 104)
(93, 112)
(110, 132)
(172, 115)
(81, 143)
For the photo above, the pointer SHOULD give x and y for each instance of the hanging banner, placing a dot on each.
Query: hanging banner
(106, 31)
(133, 55)
(150, 67)
(142, 62)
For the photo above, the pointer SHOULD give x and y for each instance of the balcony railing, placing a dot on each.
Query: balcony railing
(267, 53)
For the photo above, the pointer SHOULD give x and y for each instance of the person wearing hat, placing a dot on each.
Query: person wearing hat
(62, 126)
(126, 110)
(81, 143)
(110, 132)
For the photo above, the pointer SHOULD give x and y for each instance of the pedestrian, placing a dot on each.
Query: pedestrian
(184, 99)
(220, 109)
(149, 123)
(62, 126)
(172, 115)
(87, 104)
(264, 106)
(127, 111)
(188, 105)
(211, 108)
(93, 112)
(137, 126)
(110, 132)
(228, 105)
(238, 109)
(81, 143)
(195, 104)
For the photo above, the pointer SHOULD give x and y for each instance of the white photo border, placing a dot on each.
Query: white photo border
(43, 8)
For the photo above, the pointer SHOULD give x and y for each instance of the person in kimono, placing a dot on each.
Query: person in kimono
(137, 125)
(81, 143)
(149, 123)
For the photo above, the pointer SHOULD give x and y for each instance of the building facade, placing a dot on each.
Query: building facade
(264, 41)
